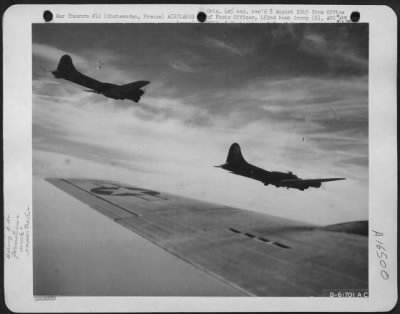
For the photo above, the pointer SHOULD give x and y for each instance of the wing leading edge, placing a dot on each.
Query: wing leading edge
(311, 181)
(255, 253)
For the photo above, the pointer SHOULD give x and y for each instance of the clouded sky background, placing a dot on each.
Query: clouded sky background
(295, 97)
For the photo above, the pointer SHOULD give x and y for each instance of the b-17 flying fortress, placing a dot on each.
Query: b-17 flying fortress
(67, 71)
(236, 164)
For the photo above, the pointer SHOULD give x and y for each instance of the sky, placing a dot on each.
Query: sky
(294, 96)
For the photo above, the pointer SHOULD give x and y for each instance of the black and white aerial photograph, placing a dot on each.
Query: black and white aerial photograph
(200, 159)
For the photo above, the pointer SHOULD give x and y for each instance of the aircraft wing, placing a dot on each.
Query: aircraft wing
(255, 253)
(306, 182)
(310, 181)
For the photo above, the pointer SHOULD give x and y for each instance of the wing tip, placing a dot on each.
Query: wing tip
(51, 179)
(359, 227)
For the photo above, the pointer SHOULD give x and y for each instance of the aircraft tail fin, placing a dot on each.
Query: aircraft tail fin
(65, 67)
(235, 156)
(66, 70)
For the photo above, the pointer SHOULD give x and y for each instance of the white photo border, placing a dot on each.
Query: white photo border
(17, 136)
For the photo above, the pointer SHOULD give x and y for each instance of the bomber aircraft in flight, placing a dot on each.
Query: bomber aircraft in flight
(236, 164)
(66, 70)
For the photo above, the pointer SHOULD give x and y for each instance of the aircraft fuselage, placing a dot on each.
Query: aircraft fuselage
(259, 174)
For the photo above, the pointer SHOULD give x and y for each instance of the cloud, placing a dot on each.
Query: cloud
(178, 158)
(225, 46)
(316, 44)
(181, 66)
(54, 54)
(286, 115)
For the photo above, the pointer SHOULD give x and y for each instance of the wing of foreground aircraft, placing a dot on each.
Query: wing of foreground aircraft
(256, 254)
(66, 70)
(236, 164)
